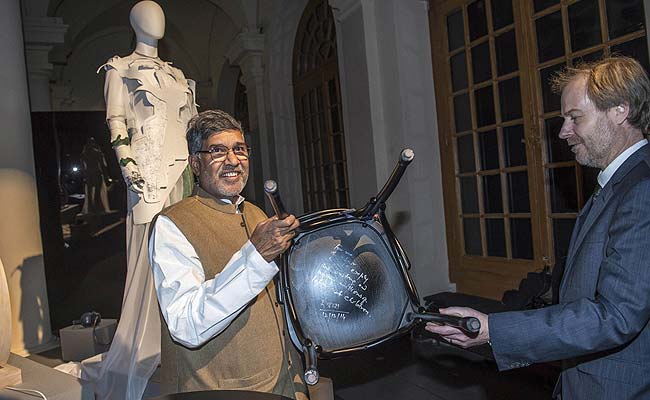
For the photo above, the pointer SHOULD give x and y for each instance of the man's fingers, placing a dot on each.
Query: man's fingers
(455, 311)
(443, 330)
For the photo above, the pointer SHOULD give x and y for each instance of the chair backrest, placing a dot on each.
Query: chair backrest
(346, 287)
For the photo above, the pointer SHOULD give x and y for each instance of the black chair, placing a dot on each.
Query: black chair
(345, 281)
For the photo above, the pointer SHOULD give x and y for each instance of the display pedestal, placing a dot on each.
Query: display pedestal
(10, 376)
(79, 343)
(55, 385)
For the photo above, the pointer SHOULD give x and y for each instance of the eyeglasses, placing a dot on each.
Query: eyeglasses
(219, 153)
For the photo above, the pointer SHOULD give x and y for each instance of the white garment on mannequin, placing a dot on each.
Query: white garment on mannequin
(148, 105)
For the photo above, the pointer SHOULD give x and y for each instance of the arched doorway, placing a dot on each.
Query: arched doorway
(318, 110)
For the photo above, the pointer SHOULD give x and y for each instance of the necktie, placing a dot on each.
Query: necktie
(597, 190)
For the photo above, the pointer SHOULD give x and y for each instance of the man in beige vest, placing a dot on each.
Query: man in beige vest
(212, 258)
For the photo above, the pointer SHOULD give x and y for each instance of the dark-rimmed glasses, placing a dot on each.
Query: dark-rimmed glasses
(219, 153)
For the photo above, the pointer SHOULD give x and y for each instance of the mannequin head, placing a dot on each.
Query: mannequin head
(148, 22)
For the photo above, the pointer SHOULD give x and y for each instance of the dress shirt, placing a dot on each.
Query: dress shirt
(194, 308)
(605, 175)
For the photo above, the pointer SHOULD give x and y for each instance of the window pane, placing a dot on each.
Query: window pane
(564, 196)
(515, 144)
(481, 62)
(477, 20)
(495, 237)
(331, 87)
(468, 195)
(518, 192)
(637, 49)
(340, 176)
(484, 106)
(550, 37)
(455, 34)
(466, 154)
(584, 24)
(319, 99)
(304, 110)
(562, 229)
(458, 71)
(492, 194)
(489, 148)
(462, 113)
(624, 16)
(588, 57)
(308, 135)
(317, 154)
(472, 235)
(557, 149)
(543, 4)
(521, 237)
(506, 49)
(510, 98)
(501, 13)
(312, 102)
(336, 123)
(342, 198)
(339, 150)
(551, 100)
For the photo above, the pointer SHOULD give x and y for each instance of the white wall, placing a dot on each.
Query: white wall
(21, 250)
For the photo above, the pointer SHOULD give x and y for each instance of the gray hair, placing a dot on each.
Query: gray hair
(613, 81)
(206, 123)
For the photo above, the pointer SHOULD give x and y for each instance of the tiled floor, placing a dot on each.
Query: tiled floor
(410, 370)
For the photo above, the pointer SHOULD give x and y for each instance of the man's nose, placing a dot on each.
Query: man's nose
(565, 131)
(231, 157)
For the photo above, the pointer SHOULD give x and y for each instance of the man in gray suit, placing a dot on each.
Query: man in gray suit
(600, 327)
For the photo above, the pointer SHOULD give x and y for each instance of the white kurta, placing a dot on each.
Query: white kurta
(197, 309)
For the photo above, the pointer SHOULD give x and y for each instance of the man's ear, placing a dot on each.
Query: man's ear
(195, 164)
(620, 113)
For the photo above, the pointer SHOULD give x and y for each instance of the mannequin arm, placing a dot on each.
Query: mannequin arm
(122, 147)
(114, 94)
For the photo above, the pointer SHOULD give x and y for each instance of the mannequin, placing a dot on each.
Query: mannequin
(96, 179)
(148, 105)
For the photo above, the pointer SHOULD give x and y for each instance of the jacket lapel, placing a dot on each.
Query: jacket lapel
(595, 206)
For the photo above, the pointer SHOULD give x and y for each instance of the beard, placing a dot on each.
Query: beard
(596, 146)
(222, 187)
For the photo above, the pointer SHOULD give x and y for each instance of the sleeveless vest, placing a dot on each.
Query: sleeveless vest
(253, 352)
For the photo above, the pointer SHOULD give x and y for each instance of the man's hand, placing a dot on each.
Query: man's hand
(455, 335)
(273, 236)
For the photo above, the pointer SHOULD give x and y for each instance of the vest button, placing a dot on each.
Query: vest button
(242, 224)
(276, 304)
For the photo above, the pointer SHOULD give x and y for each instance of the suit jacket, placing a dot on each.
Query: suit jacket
(600, 327)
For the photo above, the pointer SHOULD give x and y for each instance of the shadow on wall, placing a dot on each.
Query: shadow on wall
(399, 219)
(33, 313)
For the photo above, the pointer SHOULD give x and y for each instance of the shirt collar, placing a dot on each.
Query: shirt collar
(605, 175)
(240, 200)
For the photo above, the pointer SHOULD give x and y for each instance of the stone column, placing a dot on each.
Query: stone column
(41, 34)
(386, 76)
(246, 51)
(21, 250)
